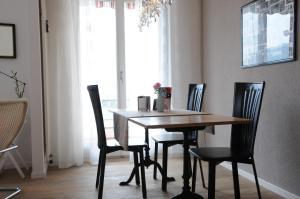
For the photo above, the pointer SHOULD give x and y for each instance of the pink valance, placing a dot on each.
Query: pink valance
(112, 4)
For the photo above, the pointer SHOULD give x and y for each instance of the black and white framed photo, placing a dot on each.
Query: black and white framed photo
(7, 40)
(268, 32)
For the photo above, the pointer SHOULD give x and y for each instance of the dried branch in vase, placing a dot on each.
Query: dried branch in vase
(20, 86)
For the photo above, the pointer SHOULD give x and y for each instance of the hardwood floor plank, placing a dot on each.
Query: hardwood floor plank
(79, 183)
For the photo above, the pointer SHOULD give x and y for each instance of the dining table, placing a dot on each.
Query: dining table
(172, 121)
(121, 118)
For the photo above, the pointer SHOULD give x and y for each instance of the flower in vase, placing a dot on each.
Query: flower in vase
(158, 89)
(162, 91)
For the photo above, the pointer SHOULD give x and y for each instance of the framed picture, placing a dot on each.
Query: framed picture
(7, 40)
(268, 32)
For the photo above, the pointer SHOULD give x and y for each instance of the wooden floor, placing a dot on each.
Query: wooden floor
(79, 183)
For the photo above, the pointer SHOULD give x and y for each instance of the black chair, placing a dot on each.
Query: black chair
(246, 104)
(109, 146)
(195, 98)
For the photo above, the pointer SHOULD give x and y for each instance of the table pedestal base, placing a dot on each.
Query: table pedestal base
(188, 194)
(186, 189)
(147, 163)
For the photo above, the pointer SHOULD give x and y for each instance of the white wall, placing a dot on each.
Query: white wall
(185, 40)
(25, 15)
(277, 140)
(185, 47)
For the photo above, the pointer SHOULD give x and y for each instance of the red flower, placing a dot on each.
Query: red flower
(156, 86)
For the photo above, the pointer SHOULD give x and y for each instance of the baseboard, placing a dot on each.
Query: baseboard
(42, 173)
(263, 183)
(37, 175)
(33, 175)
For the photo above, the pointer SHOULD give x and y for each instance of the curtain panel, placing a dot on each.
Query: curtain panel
(62, 80)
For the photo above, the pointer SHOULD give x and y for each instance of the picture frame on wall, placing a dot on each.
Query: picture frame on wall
(268, 32)
(7, 40)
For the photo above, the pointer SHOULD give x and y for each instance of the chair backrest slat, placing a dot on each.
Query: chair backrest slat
(195, 99)
(247, 104)
(96, 103)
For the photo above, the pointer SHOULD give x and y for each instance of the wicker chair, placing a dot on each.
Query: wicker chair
(12, 117)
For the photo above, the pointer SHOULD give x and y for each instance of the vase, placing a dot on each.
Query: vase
(160, 103)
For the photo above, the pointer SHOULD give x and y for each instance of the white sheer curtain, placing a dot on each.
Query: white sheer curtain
(98, 66)
(62, 81)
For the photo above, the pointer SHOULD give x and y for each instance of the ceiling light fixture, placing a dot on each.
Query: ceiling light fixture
(151, 10)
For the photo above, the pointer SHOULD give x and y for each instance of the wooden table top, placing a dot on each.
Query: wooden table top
(133, 113)
(190, 121)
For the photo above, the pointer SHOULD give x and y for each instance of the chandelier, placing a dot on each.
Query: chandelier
(151, 10)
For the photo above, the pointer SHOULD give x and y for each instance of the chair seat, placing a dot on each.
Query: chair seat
(172, 138)
(132, 144)
(217, 154)
(185, 129)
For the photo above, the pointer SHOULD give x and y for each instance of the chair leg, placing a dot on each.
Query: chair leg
(155, 159)
(102, 173)
(194, 174)
(201, 170)
(21, 158)
(12, 190)
(256, 179)
(235, 174)
(190, 172)
(137, 173)
(164, 167)
(2, 162)
(211, 180)
(144, 189)
(9, 155)
(98, 170)
(202, 176)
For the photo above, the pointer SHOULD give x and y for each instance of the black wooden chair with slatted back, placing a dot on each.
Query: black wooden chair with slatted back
(109, 146)
(247, 104)
(195, 98)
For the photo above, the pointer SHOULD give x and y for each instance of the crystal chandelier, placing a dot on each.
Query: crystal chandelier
(151, 10)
